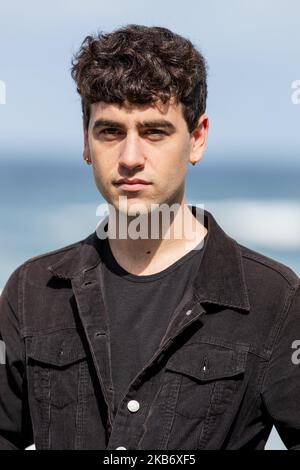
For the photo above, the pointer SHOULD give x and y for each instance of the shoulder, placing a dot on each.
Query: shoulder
(267, 268)
(37, 265)
(53, 255)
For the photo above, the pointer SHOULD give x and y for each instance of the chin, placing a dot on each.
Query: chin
(133, 208)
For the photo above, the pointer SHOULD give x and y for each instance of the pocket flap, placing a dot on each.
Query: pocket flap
(208, 362)
(59, 348)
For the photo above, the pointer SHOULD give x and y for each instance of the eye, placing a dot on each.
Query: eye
(109, 133)
(155, 134)
(155, 131)
(110, 130)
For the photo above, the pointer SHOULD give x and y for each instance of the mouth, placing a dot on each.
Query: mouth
(132, 186)
(135, 185)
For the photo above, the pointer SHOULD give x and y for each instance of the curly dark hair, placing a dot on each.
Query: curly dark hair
(141, 64)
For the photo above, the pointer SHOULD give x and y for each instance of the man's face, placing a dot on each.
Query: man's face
(148, 142)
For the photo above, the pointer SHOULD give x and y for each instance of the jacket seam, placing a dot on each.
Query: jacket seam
(271, 266)
(242, 271)
(285, 313)
(53, 252)
(20, 291)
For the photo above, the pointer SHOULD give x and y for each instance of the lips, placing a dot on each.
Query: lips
(133, 181)
(132, 185)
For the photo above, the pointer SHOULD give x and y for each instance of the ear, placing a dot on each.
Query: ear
(86, 150)
(198, 139)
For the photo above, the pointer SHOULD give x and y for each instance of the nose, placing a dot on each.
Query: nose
(131, 155)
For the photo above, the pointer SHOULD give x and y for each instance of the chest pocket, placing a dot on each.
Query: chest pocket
(58, 367)
(210, 375)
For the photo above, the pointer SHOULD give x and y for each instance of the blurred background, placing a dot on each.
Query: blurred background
(249, 177)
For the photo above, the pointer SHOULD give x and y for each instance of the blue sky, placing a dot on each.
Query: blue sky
(252, 48)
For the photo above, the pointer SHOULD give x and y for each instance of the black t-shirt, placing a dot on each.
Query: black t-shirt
(139, 309)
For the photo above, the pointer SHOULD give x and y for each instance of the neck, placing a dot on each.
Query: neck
(174, 235)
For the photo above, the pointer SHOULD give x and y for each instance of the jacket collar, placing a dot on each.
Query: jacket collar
(220, 279)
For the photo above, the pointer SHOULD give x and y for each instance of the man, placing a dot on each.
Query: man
(148, 342)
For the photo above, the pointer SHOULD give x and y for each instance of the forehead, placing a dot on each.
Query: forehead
(132, 113)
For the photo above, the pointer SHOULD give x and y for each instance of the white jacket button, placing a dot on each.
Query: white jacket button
(133, 406)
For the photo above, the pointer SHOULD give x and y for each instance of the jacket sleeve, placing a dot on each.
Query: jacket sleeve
(281, 384)
(15, 423)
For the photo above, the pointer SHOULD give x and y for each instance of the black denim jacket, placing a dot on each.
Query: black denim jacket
(226, 369)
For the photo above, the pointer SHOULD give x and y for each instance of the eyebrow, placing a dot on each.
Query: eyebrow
(162, 123)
